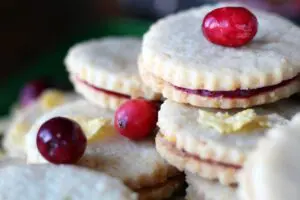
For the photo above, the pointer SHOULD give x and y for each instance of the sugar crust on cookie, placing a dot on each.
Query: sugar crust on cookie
(175, 50)
(109, 63)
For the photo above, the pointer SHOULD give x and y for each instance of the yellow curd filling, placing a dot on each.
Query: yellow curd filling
(51, 99)
(241, 122)
(95, 129)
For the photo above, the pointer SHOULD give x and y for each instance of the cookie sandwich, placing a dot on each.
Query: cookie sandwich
(59, 182)
(22, 120)
(100, 147)
(272, 170)
(212, 143)
(105, 71)
(243, 62)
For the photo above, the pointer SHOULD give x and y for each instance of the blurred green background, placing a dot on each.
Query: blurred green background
(51, 65)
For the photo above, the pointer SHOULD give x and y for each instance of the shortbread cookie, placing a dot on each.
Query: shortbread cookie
(49, 182)
(179, 62)
(137, 164)
(272, 170)
(203, 149)
(105, 71)
(201, 189)
(22, 120)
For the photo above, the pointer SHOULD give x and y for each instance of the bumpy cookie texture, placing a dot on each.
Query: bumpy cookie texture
(175, 50)
(109, 63)
(137, 164)
(180, 131)
(23, 119)
(225, 174)
(59, 182)
(98, 98)
(202, 189)
(170, 92)
(272, 170)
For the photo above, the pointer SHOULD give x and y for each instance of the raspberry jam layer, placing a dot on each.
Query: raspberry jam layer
(116, 94)
(210, 161)
(183, 153)
(236, 93)
(108, 92)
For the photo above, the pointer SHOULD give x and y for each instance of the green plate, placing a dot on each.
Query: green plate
(52, 65)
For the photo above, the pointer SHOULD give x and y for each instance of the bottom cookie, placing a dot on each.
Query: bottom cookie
(201, 189)
(100, 98)
(183, 161)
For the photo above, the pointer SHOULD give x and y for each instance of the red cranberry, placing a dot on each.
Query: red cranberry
(31, 91)
(230, 26)
(136, 119)
(61, 141)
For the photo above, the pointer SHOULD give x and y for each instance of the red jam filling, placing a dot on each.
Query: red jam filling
(182, 152)
(116, 94)
(236, 93)
(210, 161)
(108, 92)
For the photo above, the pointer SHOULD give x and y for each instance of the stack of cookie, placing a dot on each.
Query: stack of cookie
(104, 71)
(224, 83)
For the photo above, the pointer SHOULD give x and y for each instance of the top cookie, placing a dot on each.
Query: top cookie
(272, 170)
(176, 52)
(110, 55)
(107, 66)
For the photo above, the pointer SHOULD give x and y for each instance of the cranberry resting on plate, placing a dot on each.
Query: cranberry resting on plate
(136, 119)
(61, 141)
(230, 26)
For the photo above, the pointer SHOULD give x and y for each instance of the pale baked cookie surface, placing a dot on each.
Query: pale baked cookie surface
(191, 146)
(137, 164)
(182, 62)
(201, 189)
(272, 170)
(24, 118)
(105, 70)
(59, 182)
